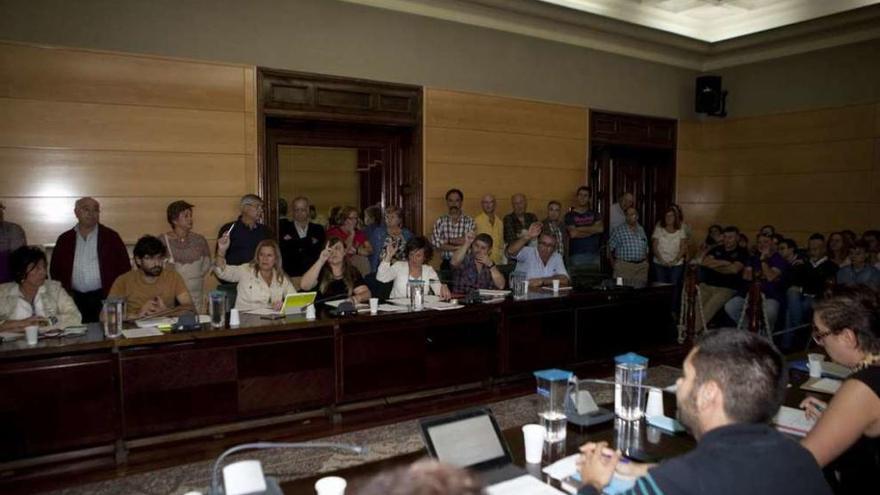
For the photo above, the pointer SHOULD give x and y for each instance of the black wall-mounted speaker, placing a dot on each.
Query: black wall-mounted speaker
(709, 97)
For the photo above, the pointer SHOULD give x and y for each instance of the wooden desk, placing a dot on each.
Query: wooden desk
(80, 397)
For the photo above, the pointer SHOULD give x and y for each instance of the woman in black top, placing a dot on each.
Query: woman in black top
(333, 276)
(847, 325)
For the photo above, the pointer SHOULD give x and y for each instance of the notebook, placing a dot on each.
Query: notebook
(794, 421)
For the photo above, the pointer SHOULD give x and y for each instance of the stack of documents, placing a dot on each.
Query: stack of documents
(793, 421)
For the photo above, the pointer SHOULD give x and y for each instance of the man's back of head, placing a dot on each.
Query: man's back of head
(747, 371)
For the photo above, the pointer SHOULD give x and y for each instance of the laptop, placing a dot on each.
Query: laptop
(471, 439)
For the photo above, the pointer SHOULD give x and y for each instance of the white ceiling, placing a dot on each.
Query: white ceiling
(713, 20)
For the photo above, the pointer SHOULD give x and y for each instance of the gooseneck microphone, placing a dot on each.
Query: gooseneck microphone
(216, 488)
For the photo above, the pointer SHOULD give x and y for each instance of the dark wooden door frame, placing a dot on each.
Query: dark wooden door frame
(381, 115)
(613, 129)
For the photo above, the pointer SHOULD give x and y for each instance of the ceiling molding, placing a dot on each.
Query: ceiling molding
(560, 24)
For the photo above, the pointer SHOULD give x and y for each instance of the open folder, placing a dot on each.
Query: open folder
(293, 303)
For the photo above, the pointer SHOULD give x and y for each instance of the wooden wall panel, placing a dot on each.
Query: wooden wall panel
(91, 126)
(827, 124)
(489, 144)
(136, 132)
(457, 110)
(49, 172)
(87, 76)
(804, 172)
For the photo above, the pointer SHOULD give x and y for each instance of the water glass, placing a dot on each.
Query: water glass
(629, 374)
(113, 312)
(519, 284)
(416, 291)
(552, 391)
(217, 309)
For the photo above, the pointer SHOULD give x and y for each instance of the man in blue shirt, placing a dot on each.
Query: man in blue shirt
(628, 246)
(733, 384)
(542, 265)
(859, 271)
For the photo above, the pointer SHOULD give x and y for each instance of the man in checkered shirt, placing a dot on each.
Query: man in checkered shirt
(628, 246)
(450, 229)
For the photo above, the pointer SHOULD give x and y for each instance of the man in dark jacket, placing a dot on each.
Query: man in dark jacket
(733, 384)
(88, 258)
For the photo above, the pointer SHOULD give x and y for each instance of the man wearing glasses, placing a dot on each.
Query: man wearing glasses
(148, 289)
(244, 235)
(543, 264)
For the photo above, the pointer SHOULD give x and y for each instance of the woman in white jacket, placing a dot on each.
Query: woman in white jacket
(418, 254)
(31, 299)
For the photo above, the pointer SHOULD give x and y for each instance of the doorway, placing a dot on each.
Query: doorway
(340, 142)
(634, 154)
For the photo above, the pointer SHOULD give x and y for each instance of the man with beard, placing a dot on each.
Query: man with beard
(733, 384)
(147, 288)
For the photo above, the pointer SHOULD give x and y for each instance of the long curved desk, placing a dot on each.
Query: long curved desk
(75, 398)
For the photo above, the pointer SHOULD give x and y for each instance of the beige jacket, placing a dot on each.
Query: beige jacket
(253, 291)
(51, 300)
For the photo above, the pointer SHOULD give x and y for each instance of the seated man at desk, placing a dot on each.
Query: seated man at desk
(543, 264)
(148, 289)
(473, 267)
(733, 384)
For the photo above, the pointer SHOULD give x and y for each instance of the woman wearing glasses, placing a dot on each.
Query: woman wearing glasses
(846, 437)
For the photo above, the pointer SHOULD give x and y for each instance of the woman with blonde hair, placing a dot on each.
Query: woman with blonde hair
(333, 276)
(262, 283)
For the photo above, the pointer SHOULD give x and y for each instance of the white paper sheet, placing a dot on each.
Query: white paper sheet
(523, 485)
(824, 385)
(134, 333)
(563, 468)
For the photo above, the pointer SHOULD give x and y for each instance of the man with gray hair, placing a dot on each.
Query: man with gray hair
(244, 235)
(88, 258)
(302, 241)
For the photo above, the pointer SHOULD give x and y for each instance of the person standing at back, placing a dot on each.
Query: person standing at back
(584, 232)
(88, 258)
(244, 234)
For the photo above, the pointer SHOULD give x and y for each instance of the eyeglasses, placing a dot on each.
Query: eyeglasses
(819, 336)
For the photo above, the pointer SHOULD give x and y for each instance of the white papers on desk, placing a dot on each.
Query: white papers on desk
(494, 293)
(263, 312)
(794, 421)
(134, 333)
(441, 305)
(10, 336)
(155, 322)
(563, 468)
(522, 485)
(336, 303)
(391, 308)
(823, 385)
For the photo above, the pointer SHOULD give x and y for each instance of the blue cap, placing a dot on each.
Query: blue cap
(631, 358)
(553, 374)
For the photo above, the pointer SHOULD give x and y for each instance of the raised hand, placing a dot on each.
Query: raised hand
(223, 243)
(535, 230)
(325, 254)
(469, 237)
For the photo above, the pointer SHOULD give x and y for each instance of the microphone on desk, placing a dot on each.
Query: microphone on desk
(245, 477)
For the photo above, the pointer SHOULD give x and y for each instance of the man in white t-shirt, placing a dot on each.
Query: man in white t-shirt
(542, 264)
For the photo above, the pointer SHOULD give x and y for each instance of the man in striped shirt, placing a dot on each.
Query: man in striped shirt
(450, 230)
(733, 384)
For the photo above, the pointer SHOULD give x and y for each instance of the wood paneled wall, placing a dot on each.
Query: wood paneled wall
(327, 176)
(485, 144)
(804, 172)
(135, 132)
